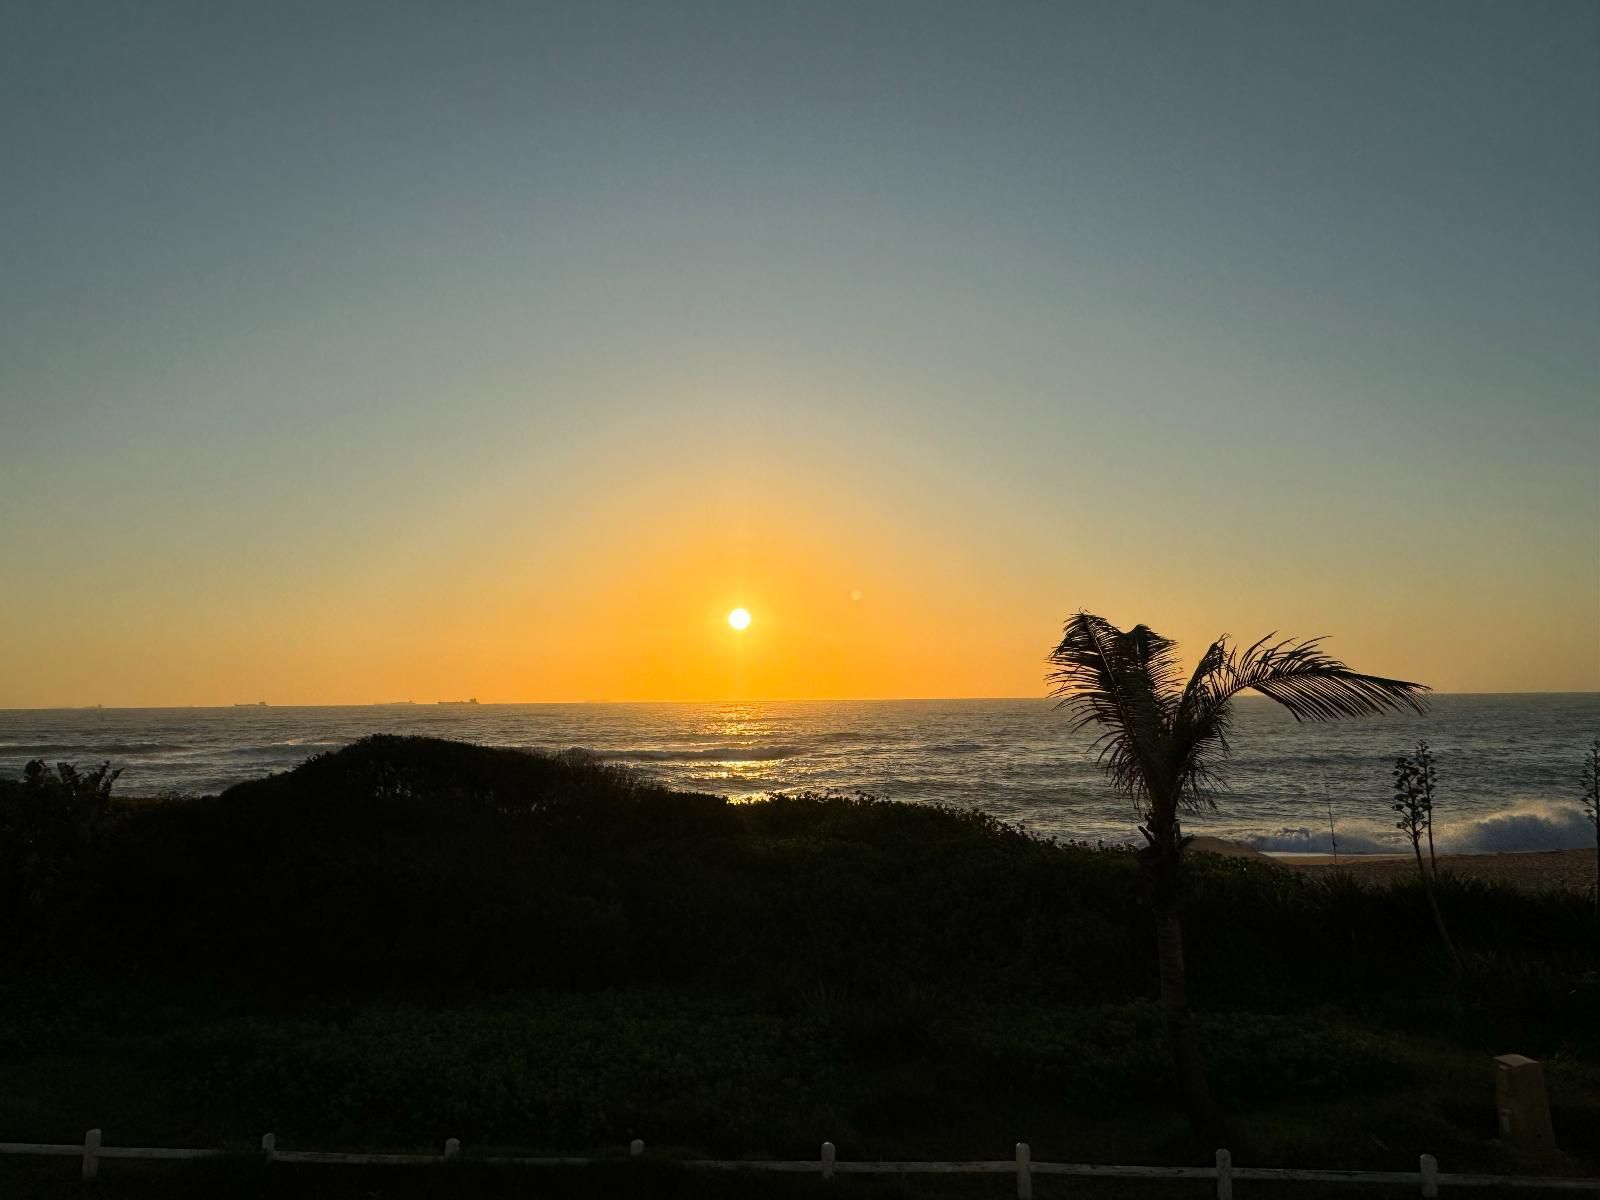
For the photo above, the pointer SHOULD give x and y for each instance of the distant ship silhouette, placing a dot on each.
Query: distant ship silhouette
(474, 700)
(256, 704)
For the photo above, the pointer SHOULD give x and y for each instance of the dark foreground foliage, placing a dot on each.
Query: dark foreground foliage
(410, 939)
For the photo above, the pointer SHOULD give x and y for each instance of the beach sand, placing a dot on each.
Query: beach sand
(1573, 870)
(1214, 845)
(1569, 869)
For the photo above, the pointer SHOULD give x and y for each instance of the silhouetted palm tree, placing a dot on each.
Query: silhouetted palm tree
(1163, 742)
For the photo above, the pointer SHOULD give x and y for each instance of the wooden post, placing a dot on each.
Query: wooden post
(91, 1154)
(1430, 1175)
(269, 1147)
(1224, 1175)
(1522, 1103)
(636, 1148)
(452, 1149)
(827, 1161)
(1024, 1172)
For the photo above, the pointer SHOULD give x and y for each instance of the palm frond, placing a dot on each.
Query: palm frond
(1312, 685)
(1200, 734)
(1164, 747)
(1124, 683)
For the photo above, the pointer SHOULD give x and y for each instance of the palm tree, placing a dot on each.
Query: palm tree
(1163, 742)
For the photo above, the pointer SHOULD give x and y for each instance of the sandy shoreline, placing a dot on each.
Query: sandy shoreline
(1568, 869)
(1572, 870)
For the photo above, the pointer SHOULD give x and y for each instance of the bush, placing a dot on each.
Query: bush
(412, 864)
(1118, 1054)
(549, 1071)
(53, 827)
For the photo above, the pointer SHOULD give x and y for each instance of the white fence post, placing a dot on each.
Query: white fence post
(1024, 1172)
(636, 1148)
(269, 1147)
(1224, 1175)
(827, 1160)
(91, 1154)
(452, 1149)
(1430, 1175)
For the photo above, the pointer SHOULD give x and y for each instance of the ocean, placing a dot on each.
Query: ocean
(1508, 765)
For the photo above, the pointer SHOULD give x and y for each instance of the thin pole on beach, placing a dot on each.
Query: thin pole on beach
(1327, 798)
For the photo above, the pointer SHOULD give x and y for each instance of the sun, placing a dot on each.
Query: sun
(739, 618)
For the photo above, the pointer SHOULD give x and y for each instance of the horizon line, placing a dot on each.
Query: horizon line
(724, 700)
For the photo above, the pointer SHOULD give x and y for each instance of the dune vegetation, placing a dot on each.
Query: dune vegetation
(410, 939)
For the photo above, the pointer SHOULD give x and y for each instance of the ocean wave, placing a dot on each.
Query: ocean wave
(1530, 825)
(34, 750)
(728, 754)
(836, 736)
(277, 751)
(89, 749)
(1309, 840)
(1527, 826)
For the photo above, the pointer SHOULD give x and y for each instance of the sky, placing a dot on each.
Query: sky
(369, 352)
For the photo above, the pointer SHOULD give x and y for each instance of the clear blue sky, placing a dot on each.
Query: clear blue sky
(1214, 315)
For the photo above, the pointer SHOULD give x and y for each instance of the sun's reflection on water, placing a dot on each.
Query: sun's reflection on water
(745, 720)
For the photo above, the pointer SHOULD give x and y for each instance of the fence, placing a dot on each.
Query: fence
(1426, 1178)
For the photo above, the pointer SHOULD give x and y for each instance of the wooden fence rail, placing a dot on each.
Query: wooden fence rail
(1426, 1178)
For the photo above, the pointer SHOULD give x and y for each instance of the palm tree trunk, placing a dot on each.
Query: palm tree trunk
(1184, 1050)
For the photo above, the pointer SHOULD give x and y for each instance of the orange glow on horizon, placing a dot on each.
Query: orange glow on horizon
(878, 589)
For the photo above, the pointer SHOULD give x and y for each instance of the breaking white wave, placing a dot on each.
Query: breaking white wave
(1531, 825)
(1309, 840)
(1528, 824)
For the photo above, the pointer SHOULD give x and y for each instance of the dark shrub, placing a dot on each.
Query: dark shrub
(53, 827)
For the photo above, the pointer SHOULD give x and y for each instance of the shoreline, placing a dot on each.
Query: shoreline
(1566, 870)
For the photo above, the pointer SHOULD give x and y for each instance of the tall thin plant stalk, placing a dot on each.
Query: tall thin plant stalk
(1426, 778)
(1333, 838)
(1591, 807)
(1414, 808)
